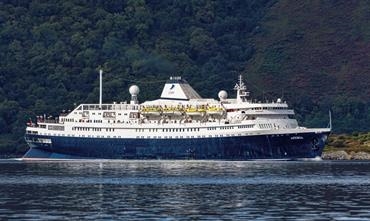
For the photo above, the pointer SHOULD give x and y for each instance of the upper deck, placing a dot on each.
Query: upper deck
(114, 106)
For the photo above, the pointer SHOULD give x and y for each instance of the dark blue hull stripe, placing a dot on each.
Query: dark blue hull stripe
(233, 148)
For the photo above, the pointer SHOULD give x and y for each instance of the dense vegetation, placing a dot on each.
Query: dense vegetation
(355, 142)
(315, 52)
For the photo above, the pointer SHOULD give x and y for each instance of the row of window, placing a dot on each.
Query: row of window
(92, 129)
(246, 126)
(91, 121)
(265, 126)
(86, 129)
(121, 106)
(31, 132)
(191, 129)
(101, 121)
(176, 137)
(168, 130)
(163, 130)
(105, 114)
(269, 108)
(156, 137)
(56, 127)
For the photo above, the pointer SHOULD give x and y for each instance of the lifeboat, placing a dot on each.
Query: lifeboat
(178, 111)
(171, 110)
(195, 111)
(152, 110)
(214, 110)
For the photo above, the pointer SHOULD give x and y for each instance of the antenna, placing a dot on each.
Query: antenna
(241, 92)
(330, 125)
(100, 87)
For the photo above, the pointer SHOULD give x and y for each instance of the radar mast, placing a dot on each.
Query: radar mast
(241, 91)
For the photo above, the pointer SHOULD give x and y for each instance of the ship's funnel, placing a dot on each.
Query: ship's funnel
(178, 89)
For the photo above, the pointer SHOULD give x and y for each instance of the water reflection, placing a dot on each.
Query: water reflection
(184, 190)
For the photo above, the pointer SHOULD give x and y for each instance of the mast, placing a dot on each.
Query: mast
(100, 87)
(241, 93)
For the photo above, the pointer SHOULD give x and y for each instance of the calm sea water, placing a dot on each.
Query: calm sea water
(184, 190)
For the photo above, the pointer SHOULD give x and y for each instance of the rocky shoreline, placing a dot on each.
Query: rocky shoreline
(343, 155)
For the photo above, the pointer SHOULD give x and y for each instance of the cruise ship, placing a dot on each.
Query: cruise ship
(179, 125)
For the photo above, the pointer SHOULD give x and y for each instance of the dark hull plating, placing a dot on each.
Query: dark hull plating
(309, 145)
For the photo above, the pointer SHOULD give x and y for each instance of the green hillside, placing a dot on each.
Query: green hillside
(313, 53)
(317, 54)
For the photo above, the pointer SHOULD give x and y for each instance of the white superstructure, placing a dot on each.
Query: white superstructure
(179, 113)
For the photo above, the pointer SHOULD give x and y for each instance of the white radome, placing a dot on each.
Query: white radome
(222, 95)
(134, 90)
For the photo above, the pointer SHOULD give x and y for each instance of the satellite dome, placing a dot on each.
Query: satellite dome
(134, 90)
(222, 95)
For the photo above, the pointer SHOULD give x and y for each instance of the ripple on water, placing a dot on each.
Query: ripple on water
(184, 190)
